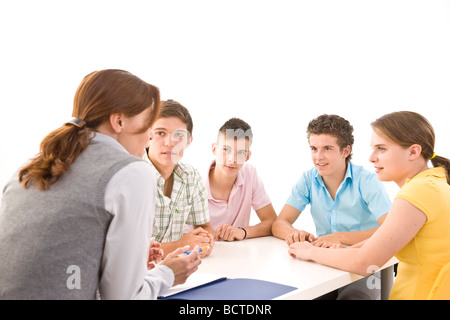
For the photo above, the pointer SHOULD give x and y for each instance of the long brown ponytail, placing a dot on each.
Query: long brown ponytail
(99, 95)
(406, 128)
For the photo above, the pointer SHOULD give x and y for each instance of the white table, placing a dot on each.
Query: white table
(267, 258)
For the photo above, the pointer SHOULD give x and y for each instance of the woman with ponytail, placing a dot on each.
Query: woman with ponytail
(76, 221)
(416, 229)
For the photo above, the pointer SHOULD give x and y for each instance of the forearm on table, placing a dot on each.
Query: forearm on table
(206, 226)
(357, 260)
(354, 237)
(281, 228)
(264, 228)
(168, 247)
(347, 259)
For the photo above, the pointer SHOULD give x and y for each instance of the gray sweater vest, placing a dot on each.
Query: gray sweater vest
(51, 242)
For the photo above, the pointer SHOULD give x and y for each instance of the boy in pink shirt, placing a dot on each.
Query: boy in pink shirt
(234, 188)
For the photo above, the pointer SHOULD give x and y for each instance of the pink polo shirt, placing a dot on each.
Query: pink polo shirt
(248, 192)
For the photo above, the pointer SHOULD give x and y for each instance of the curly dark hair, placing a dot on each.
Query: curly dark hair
(336, 126)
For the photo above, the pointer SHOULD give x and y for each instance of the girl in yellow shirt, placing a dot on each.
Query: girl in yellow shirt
(416, 228)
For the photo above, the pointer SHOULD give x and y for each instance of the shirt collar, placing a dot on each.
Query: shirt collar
(437, 172)
(179, 170)
(239, 180)
(348, 175)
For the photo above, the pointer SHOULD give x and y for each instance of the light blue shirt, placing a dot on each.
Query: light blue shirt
(360, 201)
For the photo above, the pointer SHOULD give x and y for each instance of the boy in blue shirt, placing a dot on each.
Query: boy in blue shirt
(348, 203)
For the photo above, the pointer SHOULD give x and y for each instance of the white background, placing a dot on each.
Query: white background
(276, 64)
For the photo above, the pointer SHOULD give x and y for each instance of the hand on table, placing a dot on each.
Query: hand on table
(201, 238)
(229, 233)
(299, 236)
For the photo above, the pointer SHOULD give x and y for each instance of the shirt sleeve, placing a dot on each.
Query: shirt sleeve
(130, 197)
(375, 195)
(300, 194)
(424, 195)
(199, 210)
(260, 198)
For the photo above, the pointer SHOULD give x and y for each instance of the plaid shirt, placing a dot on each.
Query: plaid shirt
(188, 203)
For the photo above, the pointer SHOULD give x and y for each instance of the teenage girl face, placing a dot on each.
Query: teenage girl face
(389, 159)
(170, 139)
(136, 134)
(327, 156)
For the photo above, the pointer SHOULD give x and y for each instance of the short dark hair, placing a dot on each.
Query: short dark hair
(336, 126)
(241, 129)
(171, 108)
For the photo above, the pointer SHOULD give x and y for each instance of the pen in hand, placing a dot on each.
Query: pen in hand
(205, 248)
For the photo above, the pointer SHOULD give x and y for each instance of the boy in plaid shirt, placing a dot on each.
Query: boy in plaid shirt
(181, 194)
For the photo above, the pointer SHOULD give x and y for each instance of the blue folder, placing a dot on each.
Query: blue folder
(234, 289)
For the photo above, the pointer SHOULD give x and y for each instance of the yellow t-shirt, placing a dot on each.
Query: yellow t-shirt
(422, 258)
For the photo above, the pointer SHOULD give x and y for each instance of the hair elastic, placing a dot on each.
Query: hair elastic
(433, 156)
(76, 122)
(245, 235)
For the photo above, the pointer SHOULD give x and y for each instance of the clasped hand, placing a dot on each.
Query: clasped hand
(201, 238)
(227, 232)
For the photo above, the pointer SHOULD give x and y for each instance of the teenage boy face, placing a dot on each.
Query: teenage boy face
(170, 139)
(327, 156)
(231, 154)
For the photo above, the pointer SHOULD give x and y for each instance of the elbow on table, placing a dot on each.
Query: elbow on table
(277, 228)
(366, 265)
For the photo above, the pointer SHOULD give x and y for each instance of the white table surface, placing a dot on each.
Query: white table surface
(267, 258)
